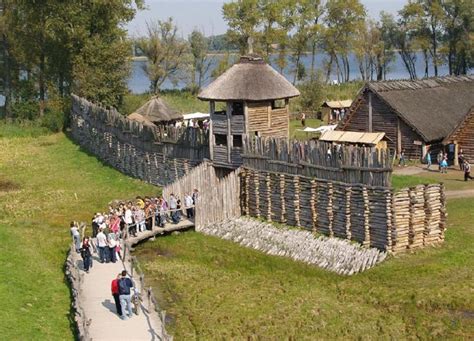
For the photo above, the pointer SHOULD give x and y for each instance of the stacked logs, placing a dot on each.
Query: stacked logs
(373, 216)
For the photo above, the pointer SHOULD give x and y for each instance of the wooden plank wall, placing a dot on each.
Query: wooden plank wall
(348, 164)
(465, 137)
(158, 156)
(219, 196)
(267, 121)
(373, 216)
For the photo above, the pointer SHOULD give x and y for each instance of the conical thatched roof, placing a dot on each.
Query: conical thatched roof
(251, 80)
(156, 110)
(139, 118)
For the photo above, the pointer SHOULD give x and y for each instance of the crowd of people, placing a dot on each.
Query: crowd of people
(123, 220)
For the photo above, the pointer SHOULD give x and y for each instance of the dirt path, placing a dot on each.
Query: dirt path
(465, 193)
(99, 307)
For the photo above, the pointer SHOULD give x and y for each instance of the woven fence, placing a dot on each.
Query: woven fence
(158, 155)
(373, 216)
(343, 163)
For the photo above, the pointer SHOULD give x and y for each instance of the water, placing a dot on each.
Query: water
(139, 83)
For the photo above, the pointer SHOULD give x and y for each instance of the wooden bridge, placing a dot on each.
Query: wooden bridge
(183, 224)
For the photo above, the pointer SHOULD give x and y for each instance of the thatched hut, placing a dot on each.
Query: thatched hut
(415, 115)
(157, 111)
(140, 119)
(334, 111)
(256, 101)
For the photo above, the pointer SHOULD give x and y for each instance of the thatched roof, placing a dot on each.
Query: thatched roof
(460, 126)
(352, 137)
(338, 104)
(249, 80)
(156, 110)
(433, 107)
(139, 118)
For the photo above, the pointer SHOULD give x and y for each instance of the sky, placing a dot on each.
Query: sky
(206, 15)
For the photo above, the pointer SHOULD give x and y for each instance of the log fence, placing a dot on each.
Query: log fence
(158, 155)
(373, 216)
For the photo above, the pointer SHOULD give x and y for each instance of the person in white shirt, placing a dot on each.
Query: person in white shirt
(188, 203)
(101, 240)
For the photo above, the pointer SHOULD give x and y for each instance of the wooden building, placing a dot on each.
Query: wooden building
(157, 111)
(334, 111)
(462, 137)
(414, 115)
(375, 140)
(255, 101)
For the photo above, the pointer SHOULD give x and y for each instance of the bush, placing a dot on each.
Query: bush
(25, 110)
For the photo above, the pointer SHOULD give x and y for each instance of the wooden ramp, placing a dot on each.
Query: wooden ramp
(184, 224)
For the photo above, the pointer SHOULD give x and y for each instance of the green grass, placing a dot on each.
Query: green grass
(45, 182)
(300, 135)
(453, 180)
(215, 289)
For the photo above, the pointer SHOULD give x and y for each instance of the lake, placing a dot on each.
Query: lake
(139, 83)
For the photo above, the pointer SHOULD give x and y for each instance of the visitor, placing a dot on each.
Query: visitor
(173, 208)
(439, 158)
(95, 226)
(125, 284)
(402, 161)
(179, 208)
(86, 254)
(102, 246)
(188, 203)
(139, 217)
(467, 170)
(116, 295)
(329, 154)
(444, 165)
(461, 160)
(127, 218)
(428, 160)
(76, 236)
(195, 196)
(112, 244)
(303, 119)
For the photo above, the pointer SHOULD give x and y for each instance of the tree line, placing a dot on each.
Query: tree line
(442, 30)
(50, 48)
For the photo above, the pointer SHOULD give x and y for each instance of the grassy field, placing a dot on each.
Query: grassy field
(45, 182)
(453, 180)
(215, 289)
(300, 135)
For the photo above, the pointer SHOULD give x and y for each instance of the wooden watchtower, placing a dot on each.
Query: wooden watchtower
(254, 101)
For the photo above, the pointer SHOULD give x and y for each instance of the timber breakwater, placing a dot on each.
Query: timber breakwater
(332, 254)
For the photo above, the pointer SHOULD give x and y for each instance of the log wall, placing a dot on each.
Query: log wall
(373, 216)
(348, 164)
(158, 155)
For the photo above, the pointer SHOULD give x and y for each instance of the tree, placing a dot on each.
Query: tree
(243, 18)
(166, 53)
(201, 63)
(458, 24)
(343, 20)
(385, 53)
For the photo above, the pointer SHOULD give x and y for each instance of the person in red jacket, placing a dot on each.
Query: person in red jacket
(116, 295)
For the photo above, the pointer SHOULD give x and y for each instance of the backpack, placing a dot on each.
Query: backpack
(124, 289)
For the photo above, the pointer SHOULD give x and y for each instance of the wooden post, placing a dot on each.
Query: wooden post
(330, 209)
(399, 137)
(269, 196)
(314, 204)
(282, 198)
(370, 111)
(365, 195)
(257, 193)
(287, 108)
(456, 153)
(296, 203)
(211, 134)
(229, 133)
(246, 118)
(348, 212)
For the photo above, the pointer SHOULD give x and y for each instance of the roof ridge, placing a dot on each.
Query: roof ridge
(424, 83)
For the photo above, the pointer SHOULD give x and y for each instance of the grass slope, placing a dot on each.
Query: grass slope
(215, 289)
(45, 182)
